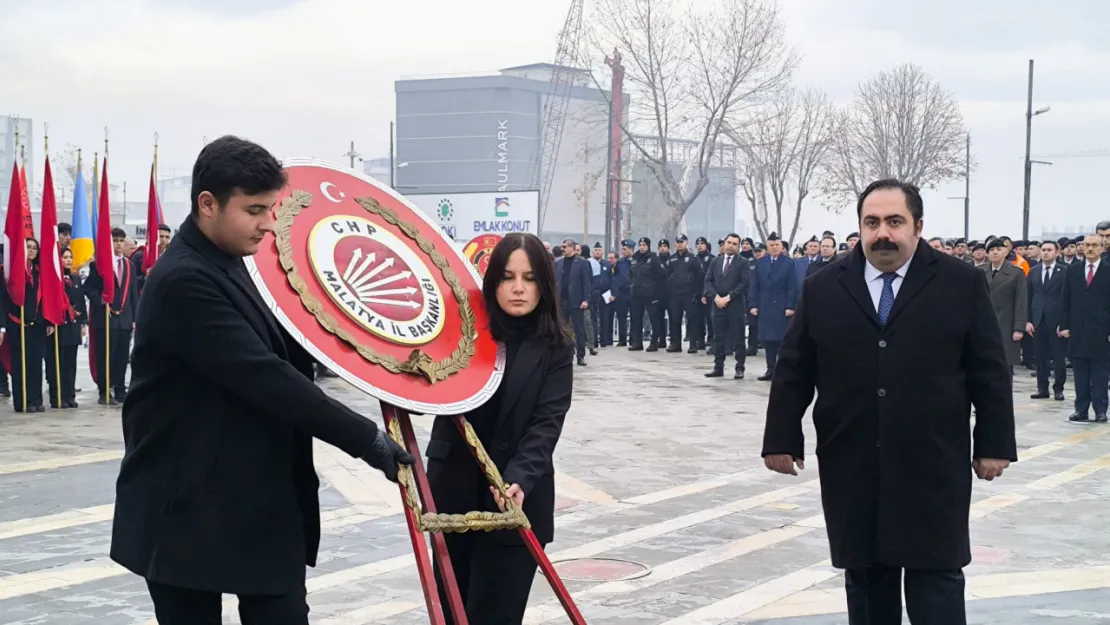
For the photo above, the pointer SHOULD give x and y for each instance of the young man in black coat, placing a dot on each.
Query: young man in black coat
(217, 492)
(1085, 323)
(111, 347)
(1046, 297)
(898, 341)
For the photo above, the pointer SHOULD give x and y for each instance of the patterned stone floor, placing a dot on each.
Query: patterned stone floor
(657, 465)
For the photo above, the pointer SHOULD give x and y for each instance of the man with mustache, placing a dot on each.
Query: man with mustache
(898, 341)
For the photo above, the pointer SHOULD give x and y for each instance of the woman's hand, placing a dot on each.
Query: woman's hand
(49, 330)
(514, 491)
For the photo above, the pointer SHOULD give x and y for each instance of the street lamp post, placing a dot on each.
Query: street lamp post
(1029, 115)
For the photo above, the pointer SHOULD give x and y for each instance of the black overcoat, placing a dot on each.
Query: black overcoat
(537, 394)
(893, 409)
(217, 490)
(1086, 311)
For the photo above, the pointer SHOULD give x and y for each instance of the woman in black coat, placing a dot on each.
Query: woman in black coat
(34, 334)
(70, 335)
(519, 428)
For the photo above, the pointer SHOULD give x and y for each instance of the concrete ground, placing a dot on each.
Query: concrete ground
(658, 466)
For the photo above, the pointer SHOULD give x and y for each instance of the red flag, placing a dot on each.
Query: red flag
(25, 198)
(54, 300)
(153, 220)
(15, 245)
(103, 252)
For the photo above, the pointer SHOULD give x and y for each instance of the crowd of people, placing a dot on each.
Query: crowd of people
(33, 348)
(666, 297)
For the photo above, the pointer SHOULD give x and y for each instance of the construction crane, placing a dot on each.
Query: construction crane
(567, 58)
(1077, 154)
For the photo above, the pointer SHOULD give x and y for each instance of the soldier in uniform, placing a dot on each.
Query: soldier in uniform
(703, 320)
(121, 321)
(773, 294)
(663, 303)
(758, 251)
(622, 290)
(648, 278)
(685, 281)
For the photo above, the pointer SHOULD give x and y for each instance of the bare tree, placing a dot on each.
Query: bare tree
(688, 69)
(903, 125)
(783, 155)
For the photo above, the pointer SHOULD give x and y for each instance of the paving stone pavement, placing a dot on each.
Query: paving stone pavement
(657, 465)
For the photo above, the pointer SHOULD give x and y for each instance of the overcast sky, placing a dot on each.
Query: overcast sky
(306, 78)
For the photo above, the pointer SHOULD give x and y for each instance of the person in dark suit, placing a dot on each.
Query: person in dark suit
(217, 492)
(1085, 323)
(519, 427)
(772, 296)
(70, 335)
(573, 280)
(1008, 288)
(120, 324)
(826, 257)
(1046, 297)
(602, 283)
(726, 285)
(898, 341)
(27, 355)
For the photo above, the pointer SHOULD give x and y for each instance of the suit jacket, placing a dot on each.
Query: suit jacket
(894, 407)
(1009, 297)
(774, 290)
(69, 333)
(217, 489)
(1086, 311)
(124, 304)
(734, 284)
(536, 395)
(819, 264)
(802, 265)
(1046, 297)
(581, 279)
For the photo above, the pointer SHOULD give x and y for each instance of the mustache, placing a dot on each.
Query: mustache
(884, 244)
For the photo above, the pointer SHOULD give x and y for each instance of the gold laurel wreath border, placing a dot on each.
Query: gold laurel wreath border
(418, 363)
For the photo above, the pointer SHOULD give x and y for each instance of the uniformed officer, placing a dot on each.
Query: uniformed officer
(622, 290)
(648, 279)
(602, 284)
(703, 320)
(758, 251)
(684, 283)
(659, 333)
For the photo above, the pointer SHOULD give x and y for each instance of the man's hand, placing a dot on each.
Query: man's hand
(513, 491)
(584, 305)
(385, 455)
(989, 468)
(1017, 336)
(703, 299)
(1029, 328)
(783, 463)
(789, 313)
(721, 300)
(754, 312)
(1063, 333)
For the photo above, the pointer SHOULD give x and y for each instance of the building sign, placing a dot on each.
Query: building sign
(464, 216)
(503, 155)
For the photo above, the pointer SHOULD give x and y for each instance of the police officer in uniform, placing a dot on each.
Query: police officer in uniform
(757, 251)
(684, 284)
(602, 282)
(648, 279)
(703, 320)
(663, 303)
(622, 291)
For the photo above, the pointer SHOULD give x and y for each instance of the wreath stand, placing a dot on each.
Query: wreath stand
(414, 480)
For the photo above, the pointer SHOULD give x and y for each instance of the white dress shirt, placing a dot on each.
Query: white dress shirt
(874, 279)
(1087, 267)
(1047, 271)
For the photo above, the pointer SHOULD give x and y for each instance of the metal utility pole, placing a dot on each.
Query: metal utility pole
(967, 189)
(351, 154)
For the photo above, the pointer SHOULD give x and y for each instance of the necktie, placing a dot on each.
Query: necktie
(119, 268)
(1090, 273)
(1047, 274)
(886, 299)
(728, 259)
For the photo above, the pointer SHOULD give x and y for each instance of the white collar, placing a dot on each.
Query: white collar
(870, 272)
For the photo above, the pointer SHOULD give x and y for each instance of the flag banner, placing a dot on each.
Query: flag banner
(15, 245)
(105, 255)
(54, 300)
(153, 220)
(81, 243)
(25, 201)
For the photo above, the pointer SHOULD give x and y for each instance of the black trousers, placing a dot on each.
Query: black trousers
(659, 331)
(932, 597)
(703, 322)
(753, 333)
(1091, 377)
(603, 322)
(679, 305)
(729, 322)
(494, 579)
(67, 355)
(119, 353)
(35, 336)
(183, 606)
(771, 352)
(575, 316)
(619, 310)
(1028, 350)
(1050, 348)
(640, 305)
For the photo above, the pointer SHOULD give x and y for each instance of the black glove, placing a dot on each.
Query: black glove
(385, 454)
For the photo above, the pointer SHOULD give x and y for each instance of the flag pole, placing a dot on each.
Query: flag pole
(22, 319)
(57, 345)
(107, 308)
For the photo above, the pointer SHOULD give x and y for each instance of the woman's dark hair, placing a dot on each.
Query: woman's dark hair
(549, 323)
(38, 257)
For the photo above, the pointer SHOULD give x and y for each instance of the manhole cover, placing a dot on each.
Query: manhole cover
(988, 555)
(600, 570)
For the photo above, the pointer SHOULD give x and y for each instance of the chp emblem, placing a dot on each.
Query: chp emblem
(478, 251)
(376, 280)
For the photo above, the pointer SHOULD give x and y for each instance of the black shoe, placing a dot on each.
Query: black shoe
(766, 377)
(652, 348)
(635, 348)
(692, 350)
(1058, 396)
(716, 373)
(5, 391)
(674, 349)
(622, 344)
(581, 361)
(593, 351)
(1078, 418)
(739, 375)
(38, 408)
(1039, 395)
(710, 351)
(111, 401)
(1100, 418)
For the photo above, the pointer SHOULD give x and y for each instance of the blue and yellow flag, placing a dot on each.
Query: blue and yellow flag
(82, 243)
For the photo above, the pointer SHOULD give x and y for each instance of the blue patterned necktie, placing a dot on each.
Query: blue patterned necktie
(886, 299)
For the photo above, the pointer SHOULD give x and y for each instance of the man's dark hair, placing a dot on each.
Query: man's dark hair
(732, 235)
(231, 164)
(1103, 225)
(118, 233)
(1054, 244)
(164, 228)
(829, 238)
(912, 193)
(64, 228)
(937, 239)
